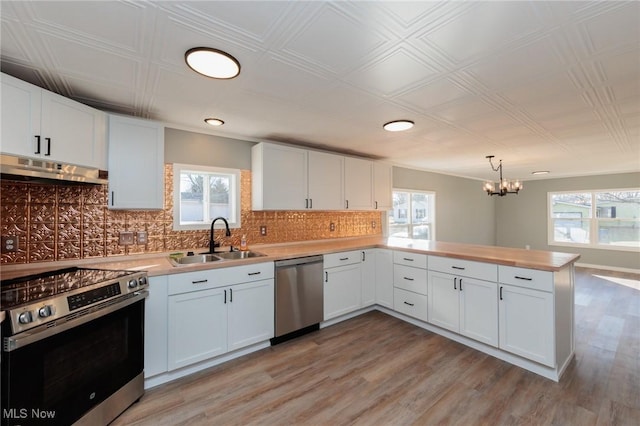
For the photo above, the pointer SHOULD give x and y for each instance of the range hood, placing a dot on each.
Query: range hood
(13, 167)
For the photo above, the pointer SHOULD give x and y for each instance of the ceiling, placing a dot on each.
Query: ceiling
(543, 85)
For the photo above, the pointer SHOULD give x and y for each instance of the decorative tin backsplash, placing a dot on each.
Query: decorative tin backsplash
(56, 222)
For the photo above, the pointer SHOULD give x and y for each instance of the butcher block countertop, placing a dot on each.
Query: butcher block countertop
(159, 264)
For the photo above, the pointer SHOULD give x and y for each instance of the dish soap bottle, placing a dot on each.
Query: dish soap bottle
(243, 243)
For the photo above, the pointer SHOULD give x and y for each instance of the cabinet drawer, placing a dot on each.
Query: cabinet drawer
(465, 268)
(212, 278)
(343, 258)
(409, 303)
(410, 259)
(527, 278)
(412, 279)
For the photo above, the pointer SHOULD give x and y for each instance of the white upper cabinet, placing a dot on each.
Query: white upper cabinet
(382, 186)
(290, 178)
(41, 124)
(136, 163)
(325, 181)
(358, 184)
(279, 177)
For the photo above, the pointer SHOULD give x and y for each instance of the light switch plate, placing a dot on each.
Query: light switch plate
(142, 237)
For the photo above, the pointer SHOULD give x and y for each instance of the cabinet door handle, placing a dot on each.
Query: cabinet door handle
(306, 203)
(454, 283)
(523, 278)
(347, 203)
(407, 259)
(460, 284)
(500, 293)
(310, 203)
(113, 199)
(326, 277)
(408, 279)
(458, 267)
(37, 144)
(225, 297)
(199, 282)
(376, 205)
(48, 146)
(410, 304)
(254, 273)
(363, 256)
(230, 295)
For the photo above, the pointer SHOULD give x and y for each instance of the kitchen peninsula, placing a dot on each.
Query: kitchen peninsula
(513, 304)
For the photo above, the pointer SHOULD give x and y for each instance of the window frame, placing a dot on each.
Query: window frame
(234, 196)
(409, 212)
(594, 220)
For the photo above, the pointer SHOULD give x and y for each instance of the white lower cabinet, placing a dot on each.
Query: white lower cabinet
(197, 327)
(464, 305)
(526, 323)
(342, 290)
(250, 315)
(369, 277)
(384, 278)
(213, 312)
(155, 327)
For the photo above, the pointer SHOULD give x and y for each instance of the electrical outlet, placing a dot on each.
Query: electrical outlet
(373, 224)
(9, 243)
(263, 230)
(332, 227)
(125, 238)
(142, 237)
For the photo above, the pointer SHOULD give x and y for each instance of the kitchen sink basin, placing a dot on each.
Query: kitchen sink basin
(214, 257)
(239, 254)
(197, 258)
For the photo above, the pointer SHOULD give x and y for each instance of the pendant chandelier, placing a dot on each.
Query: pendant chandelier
(504, 186)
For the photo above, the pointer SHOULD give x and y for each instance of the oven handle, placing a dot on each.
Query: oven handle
(63, 324)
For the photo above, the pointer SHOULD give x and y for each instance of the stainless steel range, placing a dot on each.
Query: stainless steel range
(72, 346)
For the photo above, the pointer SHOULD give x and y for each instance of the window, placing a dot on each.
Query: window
(200, 194)
(597, 219)
(413, 215)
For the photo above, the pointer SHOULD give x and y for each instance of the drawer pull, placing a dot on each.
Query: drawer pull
(254, 273)
(199, 282)
(407, 259)
(410, 304)
(460, 268)
(408, 279)
(344, 258)
(523, 278)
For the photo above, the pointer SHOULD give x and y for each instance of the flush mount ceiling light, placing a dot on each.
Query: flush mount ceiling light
(213, 63)
(214, 121)
(398, 125)
(505, 186)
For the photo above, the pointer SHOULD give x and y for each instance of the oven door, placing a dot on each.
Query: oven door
(56, 380)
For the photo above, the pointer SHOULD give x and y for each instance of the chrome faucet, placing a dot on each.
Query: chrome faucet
(213, 244)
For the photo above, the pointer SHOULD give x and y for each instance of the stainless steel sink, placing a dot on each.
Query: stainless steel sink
(239, 254)
(197, 258)
(214, 257)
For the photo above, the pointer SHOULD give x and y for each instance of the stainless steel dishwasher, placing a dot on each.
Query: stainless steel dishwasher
(299, 297)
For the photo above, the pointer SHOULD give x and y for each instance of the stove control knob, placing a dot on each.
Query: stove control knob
(133, 283)
(46, 311)
(142, 280)
(25, 317)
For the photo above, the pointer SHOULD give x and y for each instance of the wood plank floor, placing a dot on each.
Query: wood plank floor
(378, 370)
